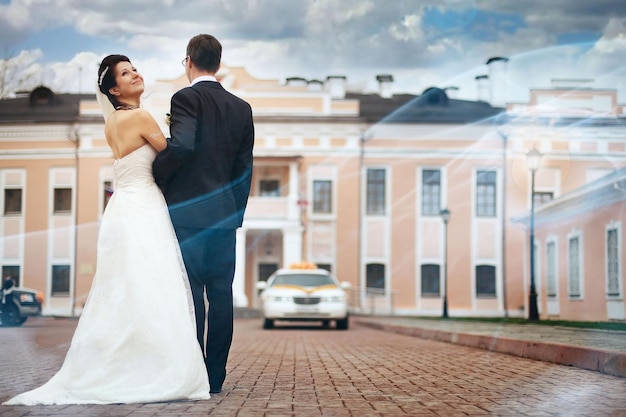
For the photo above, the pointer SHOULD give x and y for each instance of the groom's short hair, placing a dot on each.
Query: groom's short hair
(205, 52)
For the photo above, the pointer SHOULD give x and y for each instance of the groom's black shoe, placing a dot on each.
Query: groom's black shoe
(215, 390)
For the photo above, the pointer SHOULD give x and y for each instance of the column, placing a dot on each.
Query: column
(293, 210)
(292, 245)
(239, 282)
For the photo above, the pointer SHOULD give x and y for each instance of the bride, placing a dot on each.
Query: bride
(135, 341)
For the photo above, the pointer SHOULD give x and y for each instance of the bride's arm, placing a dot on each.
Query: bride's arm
(151, 131)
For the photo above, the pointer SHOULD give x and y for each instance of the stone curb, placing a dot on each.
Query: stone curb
(604, 361)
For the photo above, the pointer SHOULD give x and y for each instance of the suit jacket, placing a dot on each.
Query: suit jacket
(206, 169)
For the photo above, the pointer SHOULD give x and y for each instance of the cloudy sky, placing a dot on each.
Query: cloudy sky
(422, 43)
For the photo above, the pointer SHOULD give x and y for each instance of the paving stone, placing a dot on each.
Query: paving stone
(301, 371)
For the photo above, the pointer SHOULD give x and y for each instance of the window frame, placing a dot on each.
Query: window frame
(16, 201)
(375, 271)
(274, 193)
(486, 204)
(54, 284)
(552, 270)
(429, 189)
(611, 293)
(481, 277)
(542, 197)
(60, 201)
(375, 192)
(326, 197)
(13, 271)
(433, 278)
(574, 267)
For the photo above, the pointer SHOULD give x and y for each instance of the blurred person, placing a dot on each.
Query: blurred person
(7, 293)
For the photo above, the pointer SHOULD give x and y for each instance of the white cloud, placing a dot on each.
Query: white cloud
(356, 38)
(409, 29)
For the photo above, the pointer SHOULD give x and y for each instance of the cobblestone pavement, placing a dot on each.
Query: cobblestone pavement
(307, 371)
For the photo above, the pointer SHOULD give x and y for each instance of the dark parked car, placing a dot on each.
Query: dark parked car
(18, 304)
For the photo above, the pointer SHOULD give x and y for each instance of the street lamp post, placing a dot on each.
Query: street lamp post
(505, 138)
(445, 215)
(360, 283)
(75, 137)
(534, 160)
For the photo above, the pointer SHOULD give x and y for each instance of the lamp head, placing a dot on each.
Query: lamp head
(533, 158)
(445, 215)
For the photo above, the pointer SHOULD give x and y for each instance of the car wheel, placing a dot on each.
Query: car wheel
(326, 324)
(11, 316)
(268, 324)
(342, 324)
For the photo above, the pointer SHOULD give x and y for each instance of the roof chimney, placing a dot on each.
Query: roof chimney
(315, 85)
(482, 83)
(336, 86)
(295, 82)
(497, 80)
(385, 82)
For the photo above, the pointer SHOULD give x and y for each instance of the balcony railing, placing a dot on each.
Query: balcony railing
(372, 301)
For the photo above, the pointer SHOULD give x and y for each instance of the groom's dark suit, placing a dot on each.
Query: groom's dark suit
(205, 175)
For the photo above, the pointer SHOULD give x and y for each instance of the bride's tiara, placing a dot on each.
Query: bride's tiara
(102, 76)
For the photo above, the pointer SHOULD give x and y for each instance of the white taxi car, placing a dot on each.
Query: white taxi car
(302, 292)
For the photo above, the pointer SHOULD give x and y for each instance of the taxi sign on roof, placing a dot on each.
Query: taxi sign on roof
(303, 265)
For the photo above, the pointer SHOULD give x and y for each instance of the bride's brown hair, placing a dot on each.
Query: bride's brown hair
(106, 76)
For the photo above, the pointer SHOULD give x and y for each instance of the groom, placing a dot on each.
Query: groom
(205, 175)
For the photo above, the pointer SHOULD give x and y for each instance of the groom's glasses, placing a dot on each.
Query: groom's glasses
(184, 61)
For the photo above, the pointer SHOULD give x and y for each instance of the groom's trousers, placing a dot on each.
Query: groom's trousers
(209, 256)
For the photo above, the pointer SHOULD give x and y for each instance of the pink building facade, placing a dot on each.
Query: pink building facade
(352, 182)
(579, 244)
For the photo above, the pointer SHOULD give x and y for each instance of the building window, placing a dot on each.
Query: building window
(612, 263)
(265, 270)
(269, 188)
(12, 271)
(108, 193)
(485, 281)
(375, 278)
(12, 201)
(62, 200)
(431, 280)
(431, 192)
(60, 280)
(322, 196)
(541, 198)
(574, 267)
(486, 194)
(551, 269)
(375, 191)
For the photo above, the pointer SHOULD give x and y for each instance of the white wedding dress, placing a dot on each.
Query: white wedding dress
(135, 341)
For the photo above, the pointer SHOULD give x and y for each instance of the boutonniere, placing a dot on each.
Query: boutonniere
(168, 119)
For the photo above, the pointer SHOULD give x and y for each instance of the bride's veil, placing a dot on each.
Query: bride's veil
(105, 104)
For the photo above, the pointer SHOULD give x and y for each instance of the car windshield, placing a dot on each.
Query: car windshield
(303, 280)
